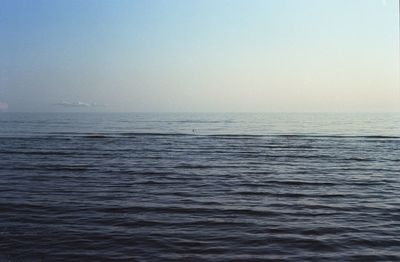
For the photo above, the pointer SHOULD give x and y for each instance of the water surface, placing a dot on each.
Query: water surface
(199, 187)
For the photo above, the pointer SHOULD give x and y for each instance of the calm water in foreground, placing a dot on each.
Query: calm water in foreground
(199, 187)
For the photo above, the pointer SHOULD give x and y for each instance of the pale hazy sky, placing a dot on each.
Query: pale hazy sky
(199, 55)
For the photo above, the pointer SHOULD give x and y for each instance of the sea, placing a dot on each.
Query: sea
(199, 187)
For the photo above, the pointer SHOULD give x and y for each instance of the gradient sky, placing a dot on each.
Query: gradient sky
(199, 56)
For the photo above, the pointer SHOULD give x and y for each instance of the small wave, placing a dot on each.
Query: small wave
(179, 223)
(54, 167)
(96, 136)
(151, 134)
(43, 153)
(191, 166)
(291, 195)
(153, 182)
(359, 159)
(127, 135)
(100, 135)
(190, 209)
(290, 183)
(198, 166)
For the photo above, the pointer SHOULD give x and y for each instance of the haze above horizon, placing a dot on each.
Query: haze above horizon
(199, 56)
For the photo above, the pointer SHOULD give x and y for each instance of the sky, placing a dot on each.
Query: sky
(199, 55)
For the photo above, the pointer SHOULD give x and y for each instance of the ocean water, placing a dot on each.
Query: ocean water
(199, 187)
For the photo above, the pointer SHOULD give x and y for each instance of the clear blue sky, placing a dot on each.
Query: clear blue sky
(203, 55)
